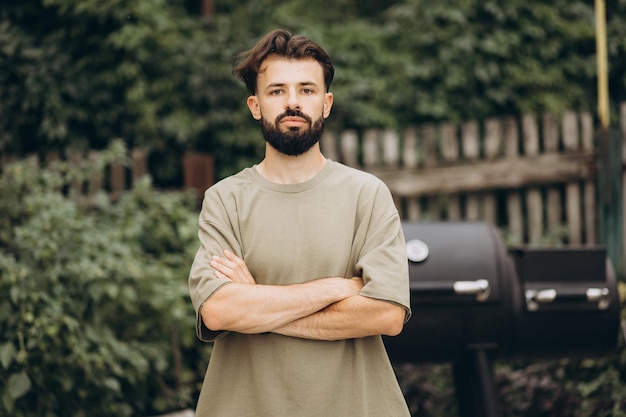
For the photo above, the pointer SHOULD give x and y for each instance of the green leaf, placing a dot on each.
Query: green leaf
(18, 384)
(112, 384)
(5, 311)
(7, 401)
(7, 353)
(15, 294)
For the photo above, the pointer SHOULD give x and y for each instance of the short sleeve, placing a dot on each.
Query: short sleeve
(216, 233)
(382, 260)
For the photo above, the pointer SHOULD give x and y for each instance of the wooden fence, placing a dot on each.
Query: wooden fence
(536, 178)
(198, 172)
(118, 177)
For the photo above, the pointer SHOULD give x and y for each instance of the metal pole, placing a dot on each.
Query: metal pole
(476, 390)
(609, 172)
(603, 99)
(602, 62)
(489, 392)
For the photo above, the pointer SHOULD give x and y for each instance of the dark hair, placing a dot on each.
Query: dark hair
(282, 43)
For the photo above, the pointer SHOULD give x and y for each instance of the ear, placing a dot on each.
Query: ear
(254, 106)
(328, 104)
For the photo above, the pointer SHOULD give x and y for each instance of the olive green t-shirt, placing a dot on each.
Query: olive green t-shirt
(342, 222)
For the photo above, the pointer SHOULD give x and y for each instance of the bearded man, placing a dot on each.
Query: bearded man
(302, 263)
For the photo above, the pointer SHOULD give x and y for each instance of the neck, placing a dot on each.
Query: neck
(284, 169)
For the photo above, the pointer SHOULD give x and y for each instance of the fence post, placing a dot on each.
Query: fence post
(450, 152)
(329, 146)
(391, 148)
(591, 221)
(96, 180)
(198, 172)
(431, 159)
(470, 145)
(493, 146)
(410, 159)
(572, 189)
(534, 204)
(350, 148)
(411, 153)
(553, 196)
(139, 164)
(118, 180)
(514, 197)
(371, 148)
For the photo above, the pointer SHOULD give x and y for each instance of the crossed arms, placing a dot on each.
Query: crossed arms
(323, 309)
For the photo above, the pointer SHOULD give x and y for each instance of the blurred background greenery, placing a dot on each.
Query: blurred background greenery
(94, 315)
(157, 73)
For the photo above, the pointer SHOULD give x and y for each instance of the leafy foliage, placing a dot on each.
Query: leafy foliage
(476, 59)
(582, 387)
(82, 73)
(94, 312)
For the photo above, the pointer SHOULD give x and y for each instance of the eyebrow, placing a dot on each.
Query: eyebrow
(301, 84)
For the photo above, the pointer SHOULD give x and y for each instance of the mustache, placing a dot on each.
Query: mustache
(293, 113)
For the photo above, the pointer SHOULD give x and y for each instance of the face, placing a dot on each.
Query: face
(291, 103)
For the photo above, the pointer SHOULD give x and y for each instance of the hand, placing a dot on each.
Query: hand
(357, 283)
(232, 268)
(349, 287)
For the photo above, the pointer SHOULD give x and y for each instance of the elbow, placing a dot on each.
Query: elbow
(211, 318)
(393, 329)
(395, 322)
(214, 312)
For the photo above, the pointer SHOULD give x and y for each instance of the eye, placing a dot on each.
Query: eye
(275, 92)
(307, 91)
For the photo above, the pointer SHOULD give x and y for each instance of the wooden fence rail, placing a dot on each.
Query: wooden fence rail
(533, 177)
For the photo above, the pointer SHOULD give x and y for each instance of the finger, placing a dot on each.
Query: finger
(237, 261)
(225, 262)
(235, 274)
(359, 281)
(232, 257)
(222, 267)
(219, 275)
(238, 267)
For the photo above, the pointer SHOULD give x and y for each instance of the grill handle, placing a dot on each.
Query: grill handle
(536, 297)
(480, 288)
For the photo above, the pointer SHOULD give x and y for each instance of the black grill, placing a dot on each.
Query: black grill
(474, 300)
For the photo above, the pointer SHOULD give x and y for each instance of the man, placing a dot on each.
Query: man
(302, 262)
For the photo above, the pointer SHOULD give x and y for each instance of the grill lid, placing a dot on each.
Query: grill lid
(459, 291)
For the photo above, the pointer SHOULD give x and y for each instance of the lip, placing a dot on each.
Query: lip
(293, 121)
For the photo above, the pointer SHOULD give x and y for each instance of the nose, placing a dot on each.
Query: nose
(292, 100)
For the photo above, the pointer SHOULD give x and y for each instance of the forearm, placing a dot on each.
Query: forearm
(253, 308)
(353, 317)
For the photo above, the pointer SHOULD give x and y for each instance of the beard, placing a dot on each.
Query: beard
(295, 141)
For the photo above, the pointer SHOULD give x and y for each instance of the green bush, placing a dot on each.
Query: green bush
(565, 387)
(94, 313)
(533, 388)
